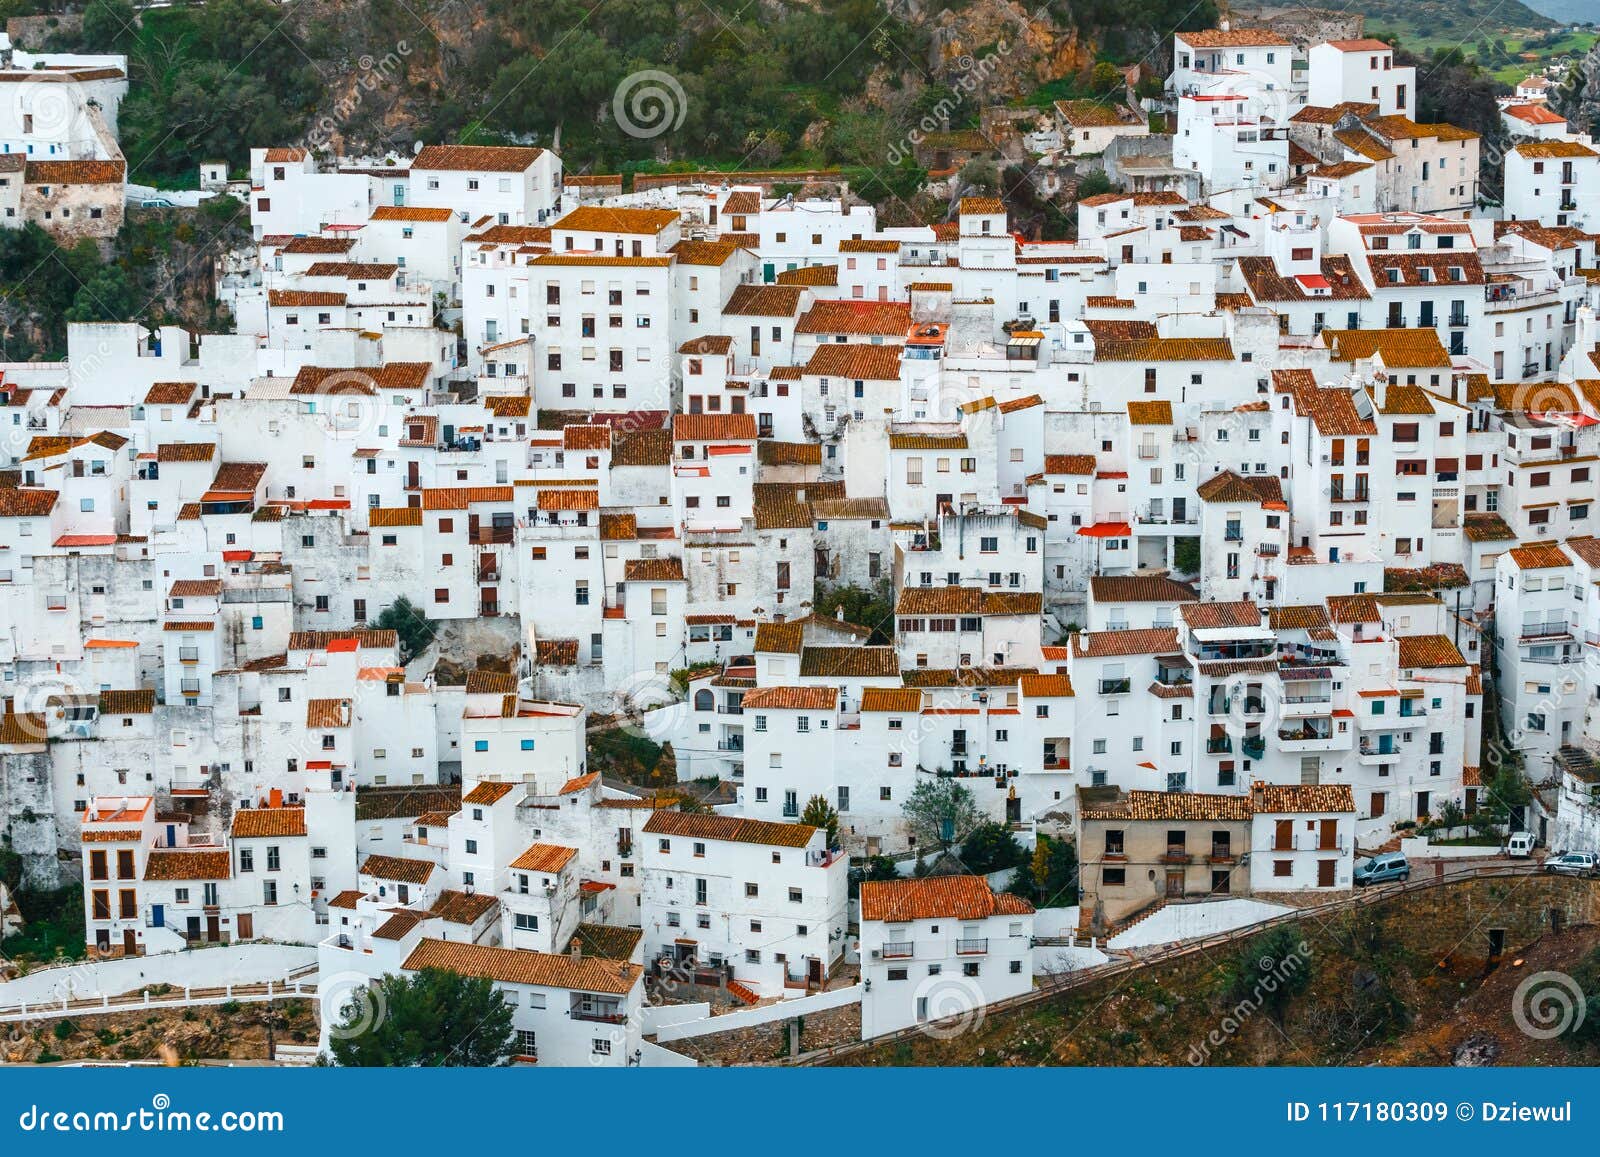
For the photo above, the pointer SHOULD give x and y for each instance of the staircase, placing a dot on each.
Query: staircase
(742, 992)
(1578, 762)
(301, 1056)
(1135, 920)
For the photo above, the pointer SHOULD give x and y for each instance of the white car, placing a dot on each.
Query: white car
(1571, 864)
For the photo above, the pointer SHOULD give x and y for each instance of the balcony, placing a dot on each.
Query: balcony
(730, 709)
(1221, 746)
(488, 574)
(1115, 686)
(493, 536)
(1221, 854)
(898, 949)
(1176, 854)
(1254, 747)
(602, 1014)
(732, 743)
(975, 947)
(1546, 629)
(1303, 739)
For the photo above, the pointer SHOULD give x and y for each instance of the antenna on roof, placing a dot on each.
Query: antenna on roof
(416, 147)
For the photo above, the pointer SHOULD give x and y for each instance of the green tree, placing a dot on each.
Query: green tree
(872, 868)
(863, 607)
(434, 1018)
(819, 813)
(1451, 817)
(415, 629)
(991, 847)
(940, 812)
(1106, 78)
(109, 26)
(1270, 972)
(1092, 184)
(1054, 872)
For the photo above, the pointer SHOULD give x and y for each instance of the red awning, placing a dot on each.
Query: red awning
(1106, 530)
(238, 555)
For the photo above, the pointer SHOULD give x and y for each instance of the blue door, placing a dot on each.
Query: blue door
(172, 836)
(158, 915)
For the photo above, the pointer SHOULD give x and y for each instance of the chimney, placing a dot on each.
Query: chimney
(800, 494)
(576, 950)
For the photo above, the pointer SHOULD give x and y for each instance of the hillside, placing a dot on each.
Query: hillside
(616, 83)
(1404, 981)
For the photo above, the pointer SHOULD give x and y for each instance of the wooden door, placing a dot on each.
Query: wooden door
(130, 946)
(213, 930)
(247, 926)
(814, 971)
(1283, 835)
(1325, 870)
(1328, 837)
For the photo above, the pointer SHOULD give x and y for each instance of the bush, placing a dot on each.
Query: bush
(64, 1029)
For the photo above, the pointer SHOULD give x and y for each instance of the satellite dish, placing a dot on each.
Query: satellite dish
(416, 147)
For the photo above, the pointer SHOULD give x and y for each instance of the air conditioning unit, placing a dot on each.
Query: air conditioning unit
(877, 954)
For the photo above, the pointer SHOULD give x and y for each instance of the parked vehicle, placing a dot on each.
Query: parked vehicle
(1571, 864)
(1520, 845)
(1381, 869)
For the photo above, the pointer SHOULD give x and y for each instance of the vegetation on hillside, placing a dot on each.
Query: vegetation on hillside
(427, 1019)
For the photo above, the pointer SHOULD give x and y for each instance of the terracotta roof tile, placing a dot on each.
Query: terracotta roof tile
(1298, 798)
(186, 865)
(853, 361)
(1151, 588)
(1429, 651)
(475, 158)
(253, 822)
(792, 698)
(547, 858)
(1168, 805)
(516, 966)
(930, 898)
(876, 318)
(703, 826)
(397, 868)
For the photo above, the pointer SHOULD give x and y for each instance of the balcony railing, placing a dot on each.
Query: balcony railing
(730, 744)
(1219, 746)
(1115, 686)
(898, 949)
(972, 947)
(1175, 854)
(1221, 853)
